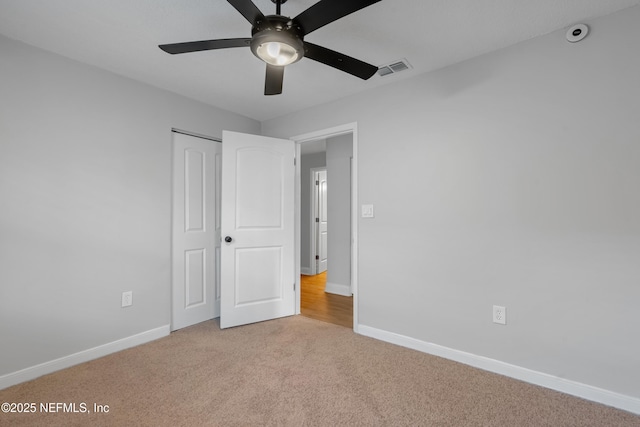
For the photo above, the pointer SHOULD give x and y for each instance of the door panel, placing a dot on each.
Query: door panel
(195, 277)
(194, 176)
(195, 239)
(257, 264)
(259, 188)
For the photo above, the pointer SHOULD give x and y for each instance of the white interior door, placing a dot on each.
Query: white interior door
(257, 252)
(321, 222)
(195, 230)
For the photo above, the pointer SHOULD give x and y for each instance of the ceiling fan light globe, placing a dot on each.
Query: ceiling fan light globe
(273, 49)
(277, 47)
(277, 53)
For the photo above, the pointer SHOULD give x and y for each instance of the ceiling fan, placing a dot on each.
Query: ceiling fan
(279, 40)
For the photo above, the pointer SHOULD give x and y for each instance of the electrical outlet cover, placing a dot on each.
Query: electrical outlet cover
(367, 211)
(127, 298)
(499, 315)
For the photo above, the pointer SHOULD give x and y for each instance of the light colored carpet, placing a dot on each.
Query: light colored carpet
(294, 372)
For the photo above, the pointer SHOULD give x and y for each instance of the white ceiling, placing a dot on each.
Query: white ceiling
(122, 36)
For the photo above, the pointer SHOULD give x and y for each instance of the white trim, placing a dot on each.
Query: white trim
(326, 133)
(562, 385)
(347, 128)
(335, 288)
(82, 356)
(306, 271)
(297, 233)
(197, 135)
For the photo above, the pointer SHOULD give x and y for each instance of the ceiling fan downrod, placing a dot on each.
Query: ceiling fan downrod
(278, 4)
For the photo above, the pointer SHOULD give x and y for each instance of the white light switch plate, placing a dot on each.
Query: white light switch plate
(367, 211)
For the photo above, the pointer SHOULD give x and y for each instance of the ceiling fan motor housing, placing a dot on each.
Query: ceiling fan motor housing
(279, 30)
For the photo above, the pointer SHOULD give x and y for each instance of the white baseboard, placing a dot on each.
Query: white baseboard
(305, 270)
(595, 394)
(45, 368)
(334, 288)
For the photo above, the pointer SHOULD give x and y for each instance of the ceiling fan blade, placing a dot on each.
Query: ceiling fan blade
(187, 47)
(249, 10)
(273, 81)
(340, 61)
(326, 11)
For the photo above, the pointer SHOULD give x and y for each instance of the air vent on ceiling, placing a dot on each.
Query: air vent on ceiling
(394, 67)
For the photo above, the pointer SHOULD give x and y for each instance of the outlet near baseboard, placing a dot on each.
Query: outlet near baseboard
(499, 315)
(127, 298)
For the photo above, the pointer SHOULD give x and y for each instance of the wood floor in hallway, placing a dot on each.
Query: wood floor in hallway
(317, 304)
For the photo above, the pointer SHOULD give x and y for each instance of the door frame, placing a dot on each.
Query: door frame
(348, 128)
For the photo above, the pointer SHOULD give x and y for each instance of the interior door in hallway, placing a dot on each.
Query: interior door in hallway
(257, 252)
(195, 241)
(321, 227)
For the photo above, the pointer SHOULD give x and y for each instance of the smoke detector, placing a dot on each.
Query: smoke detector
(577, 33)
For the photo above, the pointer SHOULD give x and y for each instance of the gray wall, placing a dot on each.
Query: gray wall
(508, 179)
(339, 153)
(85, 193)
(307, 162)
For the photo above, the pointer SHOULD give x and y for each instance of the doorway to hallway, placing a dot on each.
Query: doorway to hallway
(328, 157)
(320, 305)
